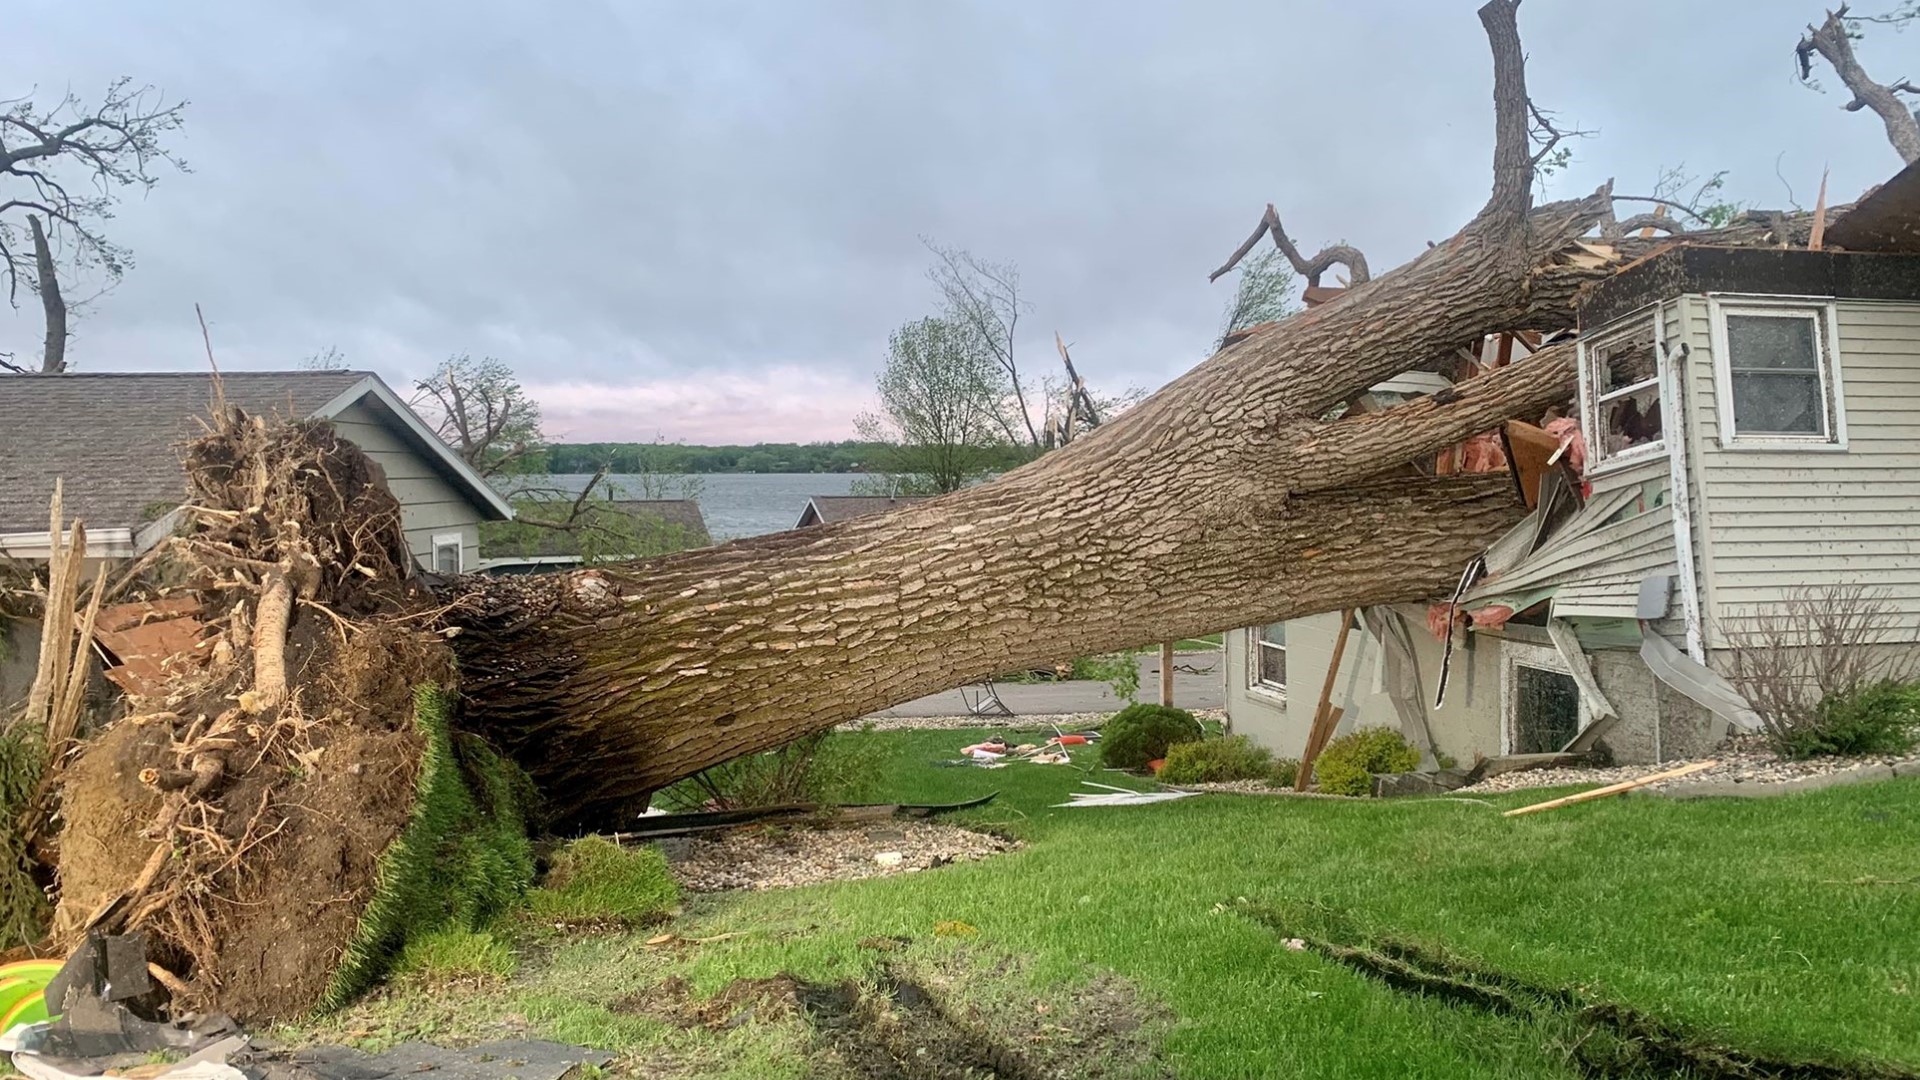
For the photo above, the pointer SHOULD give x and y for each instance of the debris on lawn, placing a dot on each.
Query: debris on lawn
(779, 858)
(1743, 760)
(1062, 722)
(1119, 796)
(1620, 788)
(656, 825)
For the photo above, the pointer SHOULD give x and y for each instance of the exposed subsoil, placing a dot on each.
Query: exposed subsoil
(1606, 1040)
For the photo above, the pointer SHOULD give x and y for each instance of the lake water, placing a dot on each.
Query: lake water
(734, 504)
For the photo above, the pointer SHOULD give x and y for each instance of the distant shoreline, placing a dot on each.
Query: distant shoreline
(693, 459)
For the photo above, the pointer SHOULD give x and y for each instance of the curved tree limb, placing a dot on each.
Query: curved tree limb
(1334, 254)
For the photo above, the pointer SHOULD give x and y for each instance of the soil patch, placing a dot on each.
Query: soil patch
(778, 857)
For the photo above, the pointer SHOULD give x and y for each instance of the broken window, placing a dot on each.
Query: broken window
(1269, 656)
(1623, 384)
(1777, 373)
(1545, 710)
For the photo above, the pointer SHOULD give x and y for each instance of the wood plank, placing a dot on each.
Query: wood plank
(1611, 789)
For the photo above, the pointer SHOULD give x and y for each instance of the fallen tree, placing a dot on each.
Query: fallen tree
(1223, 500)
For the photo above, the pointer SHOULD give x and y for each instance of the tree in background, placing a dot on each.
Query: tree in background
(982, 300)
(61, 171)
(940, 398)
(478, 408)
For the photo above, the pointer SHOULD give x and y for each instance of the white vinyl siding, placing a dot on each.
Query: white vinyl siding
(1772, 518)
(429, 504)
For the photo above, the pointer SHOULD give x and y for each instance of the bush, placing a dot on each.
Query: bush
(1879, 718)
(1120, 671)
(23, 904)
(1212, 761)
(1347, 765)
(593, 880)
(1138, 734)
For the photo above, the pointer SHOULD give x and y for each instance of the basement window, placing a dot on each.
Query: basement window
(1541, 709)
(1268, 646)
(1621, 379)
(1777, 383)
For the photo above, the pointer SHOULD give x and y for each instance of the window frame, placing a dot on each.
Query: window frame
(1826, 337)
(1255, 683)
(1518, 654)
(457, 542)
(1592, 402)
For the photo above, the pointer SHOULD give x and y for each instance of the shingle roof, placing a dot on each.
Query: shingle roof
(659, 526)
(115, 438)
(831, 508)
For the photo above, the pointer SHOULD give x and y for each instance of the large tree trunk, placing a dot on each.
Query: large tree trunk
(1224, 500)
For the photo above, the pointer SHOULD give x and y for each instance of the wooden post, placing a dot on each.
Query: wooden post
(1325, 716)
(1166, 674)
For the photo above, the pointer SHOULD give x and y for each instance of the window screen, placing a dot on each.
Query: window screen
(1774, 361)
(1546, 710)
(1270, 655)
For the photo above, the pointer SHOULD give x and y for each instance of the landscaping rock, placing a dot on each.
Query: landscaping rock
(1747, 768)
(1388, 785)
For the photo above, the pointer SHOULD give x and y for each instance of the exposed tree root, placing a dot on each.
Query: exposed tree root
(1608, 1039)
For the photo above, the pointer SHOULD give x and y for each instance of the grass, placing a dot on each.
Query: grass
(1199, 644)
(1782, 926)
(457, 954)
(594, 880)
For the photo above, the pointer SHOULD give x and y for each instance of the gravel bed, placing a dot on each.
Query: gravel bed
(773, 858)
(1024, 722)
(1744, 760)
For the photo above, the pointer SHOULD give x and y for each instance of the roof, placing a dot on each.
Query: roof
(827, 509)
(1886, 220)
(659, 526)
(114, 438)
(1688, 269)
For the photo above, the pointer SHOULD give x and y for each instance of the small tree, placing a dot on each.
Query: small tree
(62, 169)
(1264, 294)
(1819, 643)
(479, 408)
(939, 399)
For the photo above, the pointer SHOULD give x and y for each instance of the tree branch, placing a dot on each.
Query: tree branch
(1512, 112)
(54, 358)
(1831, 41)
(1311, 269)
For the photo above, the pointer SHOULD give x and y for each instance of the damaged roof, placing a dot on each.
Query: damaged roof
(114, 438)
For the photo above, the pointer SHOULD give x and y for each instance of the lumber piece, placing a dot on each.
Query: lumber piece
(1611, 789)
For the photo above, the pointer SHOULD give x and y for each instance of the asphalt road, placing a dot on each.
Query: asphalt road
(1199, 682)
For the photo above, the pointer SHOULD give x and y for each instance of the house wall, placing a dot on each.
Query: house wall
(19, 659)
(1770, 520)
(429, 504)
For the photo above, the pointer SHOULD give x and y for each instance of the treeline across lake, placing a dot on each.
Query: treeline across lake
(826, 457)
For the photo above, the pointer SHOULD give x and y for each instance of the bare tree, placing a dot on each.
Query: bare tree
(1833, 41)
(1816, 643)
(479, 408)
(65, 165)
(984, 298)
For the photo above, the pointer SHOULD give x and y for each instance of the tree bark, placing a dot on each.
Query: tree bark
(54, 358)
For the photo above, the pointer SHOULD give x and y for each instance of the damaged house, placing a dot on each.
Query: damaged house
(1747, 432)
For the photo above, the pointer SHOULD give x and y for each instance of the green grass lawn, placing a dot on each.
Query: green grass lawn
(1786, 926)
(1199, 644)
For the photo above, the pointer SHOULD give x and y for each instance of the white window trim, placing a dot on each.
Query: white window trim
(1518, 654)
(1254, 683)
(1591, 401)
(459, 544)
(1827, 338)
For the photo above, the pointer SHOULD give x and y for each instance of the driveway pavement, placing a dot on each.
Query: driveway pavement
(1199, 682)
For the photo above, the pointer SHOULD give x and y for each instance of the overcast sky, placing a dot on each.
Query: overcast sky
(699, 220)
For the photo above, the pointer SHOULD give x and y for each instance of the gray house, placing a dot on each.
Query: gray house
(114, 441)
(1750, 426)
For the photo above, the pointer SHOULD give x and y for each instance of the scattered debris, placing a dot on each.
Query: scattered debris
(1119, 796)
(779, 858)
(1612, 789)
(656, 826)
(1744, 760)
(1065, 722)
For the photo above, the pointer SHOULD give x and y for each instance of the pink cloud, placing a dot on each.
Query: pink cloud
(782, 404)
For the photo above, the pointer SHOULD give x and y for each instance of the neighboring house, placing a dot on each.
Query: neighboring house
(1750, 424)
(114, 439)
(605, 529)
(827, 509)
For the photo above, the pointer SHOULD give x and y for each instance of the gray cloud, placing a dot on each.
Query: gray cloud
(702, 220)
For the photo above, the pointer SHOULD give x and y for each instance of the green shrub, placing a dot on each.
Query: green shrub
(463, 858)
(1283, 772)
(1879, 718)
(1347, 765)
(1211, 761)
(457, 953)
(23, 905)
(593, 880)
(1138, 734)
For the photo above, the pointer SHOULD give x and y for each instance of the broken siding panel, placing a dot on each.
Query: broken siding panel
(1777, 519)
(1624, 543)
